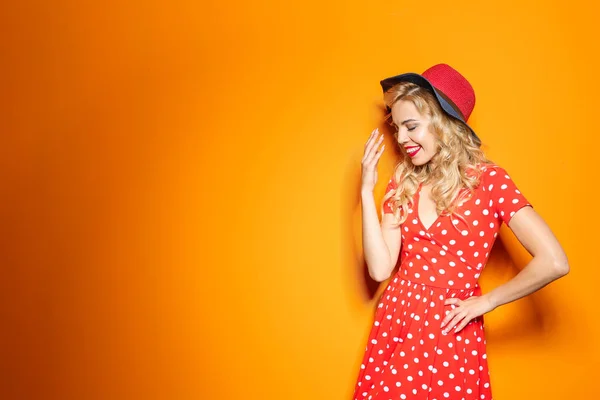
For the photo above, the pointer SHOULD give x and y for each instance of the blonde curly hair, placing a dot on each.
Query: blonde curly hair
(454, 171)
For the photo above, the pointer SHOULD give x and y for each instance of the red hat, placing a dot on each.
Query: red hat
(452, 90)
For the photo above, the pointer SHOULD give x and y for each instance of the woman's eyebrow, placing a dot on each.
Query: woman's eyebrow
(405, 121)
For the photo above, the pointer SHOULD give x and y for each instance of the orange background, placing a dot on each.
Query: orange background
(180, 213)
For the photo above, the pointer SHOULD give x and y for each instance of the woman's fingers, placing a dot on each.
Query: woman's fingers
(371, 136)
(379, 153)
(375, 137)
(462, 324)
(452, 300)
(369, 148)
(369, 142)
(370, 152)
(457, 318)
(451, 314)
(449, 301)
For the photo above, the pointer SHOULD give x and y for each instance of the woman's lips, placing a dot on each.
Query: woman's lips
(412, 151)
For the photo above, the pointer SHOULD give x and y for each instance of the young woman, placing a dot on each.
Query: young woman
(441, 214)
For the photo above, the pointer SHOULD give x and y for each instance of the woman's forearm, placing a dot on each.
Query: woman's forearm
(537, 273)
(376, 253)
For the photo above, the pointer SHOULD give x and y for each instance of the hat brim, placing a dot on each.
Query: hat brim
(420, 80)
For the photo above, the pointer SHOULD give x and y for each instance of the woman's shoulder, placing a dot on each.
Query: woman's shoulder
(489, 169)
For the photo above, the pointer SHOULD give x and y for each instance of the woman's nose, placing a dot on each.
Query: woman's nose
(402, 137)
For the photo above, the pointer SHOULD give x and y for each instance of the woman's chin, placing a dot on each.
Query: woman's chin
(419, 159)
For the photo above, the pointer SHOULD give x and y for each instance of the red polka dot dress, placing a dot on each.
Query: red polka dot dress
(407, 355)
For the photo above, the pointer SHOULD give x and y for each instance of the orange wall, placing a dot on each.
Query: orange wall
(180, 213)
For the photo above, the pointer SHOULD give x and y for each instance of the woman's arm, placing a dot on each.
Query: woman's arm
(548, 264)
(381, 242)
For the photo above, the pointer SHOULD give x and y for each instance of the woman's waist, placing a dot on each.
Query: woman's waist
(441, 278)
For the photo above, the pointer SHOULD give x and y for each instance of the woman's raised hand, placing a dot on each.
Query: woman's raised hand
(370, 160)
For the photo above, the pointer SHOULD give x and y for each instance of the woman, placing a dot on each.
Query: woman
(441, 215)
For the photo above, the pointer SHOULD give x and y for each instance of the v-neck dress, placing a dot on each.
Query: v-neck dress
(407, 355)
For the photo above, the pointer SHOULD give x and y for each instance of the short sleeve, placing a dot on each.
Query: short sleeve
(387, 205)
(506, 196)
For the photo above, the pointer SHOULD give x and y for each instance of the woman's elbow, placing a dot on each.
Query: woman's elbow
(561, 266)
(381, 275)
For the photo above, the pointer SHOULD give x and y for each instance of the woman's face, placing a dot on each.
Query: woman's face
(417, 142)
